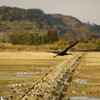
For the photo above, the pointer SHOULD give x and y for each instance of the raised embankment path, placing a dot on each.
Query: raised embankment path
(55, 83)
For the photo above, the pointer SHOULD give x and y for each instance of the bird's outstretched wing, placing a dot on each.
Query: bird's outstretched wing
(64, 51)
(70, 46)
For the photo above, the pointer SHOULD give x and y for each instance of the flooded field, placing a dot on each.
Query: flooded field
(19, 71)
(85, 83)
(39, 76)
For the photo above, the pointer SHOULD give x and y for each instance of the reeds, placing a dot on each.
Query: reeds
(57, 46)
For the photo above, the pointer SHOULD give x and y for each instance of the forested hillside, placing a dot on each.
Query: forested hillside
(34, 27)
(13, 18)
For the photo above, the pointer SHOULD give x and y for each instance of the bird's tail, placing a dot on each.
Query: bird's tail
(54, 56)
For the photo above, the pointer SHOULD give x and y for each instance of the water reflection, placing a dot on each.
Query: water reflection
(16, 73)
(80, 80)
(82, 98)
(16, 83)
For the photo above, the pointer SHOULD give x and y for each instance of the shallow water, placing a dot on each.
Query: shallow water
(16, 73)
(8, 78)
(82, 98)
(19, 75)
(80, 80)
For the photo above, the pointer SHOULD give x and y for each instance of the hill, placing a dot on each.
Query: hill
(34, 27)
(18, 19)
(70, 21)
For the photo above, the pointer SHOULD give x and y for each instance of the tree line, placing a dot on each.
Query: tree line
(14, 13)
(32, 38)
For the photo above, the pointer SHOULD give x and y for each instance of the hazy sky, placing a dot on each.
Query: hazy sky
(84, 10)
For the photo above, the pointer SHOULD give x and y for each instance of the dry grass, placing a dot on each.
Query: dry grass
(30, 58)
(26, 48)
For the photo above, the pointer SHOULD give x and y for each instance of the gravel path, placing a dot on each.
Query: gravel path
(55, 83)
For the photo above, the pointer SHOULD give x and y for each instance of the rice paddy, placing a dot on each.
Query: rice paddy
(20, 71)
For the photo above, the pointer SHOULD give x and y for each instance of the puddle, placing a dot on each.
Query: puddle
(8, 78)
(80, 80)
(82, 98)
(20, 75)
(73, 64)
(16, 73)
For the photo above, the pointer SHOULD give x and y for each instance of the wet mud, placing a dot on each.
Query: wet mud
(77, 78)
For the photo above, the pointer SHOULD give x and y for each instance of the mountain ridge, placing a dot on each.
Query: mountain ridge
(35, 20)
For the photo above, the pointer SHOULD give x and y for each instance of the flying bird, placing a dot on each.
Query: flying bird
(64, 52)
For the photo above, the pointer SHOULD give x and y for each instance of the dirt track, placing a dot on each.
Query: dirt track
(52, 86)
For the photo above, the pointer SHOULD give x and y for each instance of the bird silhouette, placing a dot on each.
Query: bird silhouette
(64, 52)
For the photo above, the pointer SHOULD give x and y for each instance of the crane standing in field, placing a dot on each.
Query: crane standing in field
(64, 52)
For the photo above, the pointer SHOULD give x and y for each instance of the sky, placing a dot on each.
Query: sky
(83, 10)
